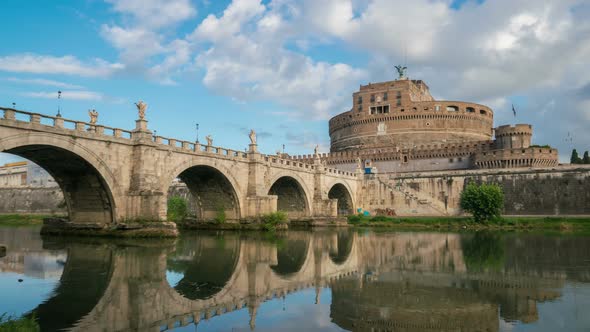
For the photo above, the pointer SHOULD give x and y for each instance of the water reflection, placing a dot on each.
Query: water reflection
(323, 280)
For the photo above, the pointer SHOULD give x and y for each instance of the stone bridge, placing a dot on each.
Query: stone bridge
(110, 175)
(127, 287)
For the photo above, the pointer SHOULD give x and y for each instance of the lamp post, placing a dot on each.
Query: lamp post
(197, 125)
(58, 104)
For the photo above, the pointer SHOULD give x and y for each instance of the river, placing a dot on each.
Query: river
(322, 280)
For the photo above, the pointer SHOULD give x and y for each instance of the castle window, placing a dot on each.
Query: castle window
(399, 102)
(451, 160)
(414, 109)
(405, 159)
(399, 94)
(470, 110)
(359, 100)
(360, 107)
(452, 109)
(482, 112)
(460, 159)
(402, 110)
(385, 96)
(372, 98)
(386, 109)
(437, 108)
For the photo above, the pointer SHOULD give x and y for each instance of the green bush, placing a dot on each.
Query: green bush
(484, 202)
(354, 218)
(272, 220)
(177, 208)
(220, 217)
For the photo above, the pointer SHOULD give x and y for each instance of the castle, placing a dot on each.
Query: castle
(397, 126)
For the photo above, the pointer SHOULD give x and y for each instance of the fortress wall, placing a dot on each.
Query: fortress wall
(31, 200)
(549, 191)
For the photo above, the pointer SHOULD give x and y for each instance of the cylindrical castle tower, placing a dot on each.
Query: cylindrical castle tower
(403, 114)
(519, 136)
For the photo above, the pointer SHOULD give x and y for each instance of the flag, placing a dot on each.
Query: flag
(513, 110)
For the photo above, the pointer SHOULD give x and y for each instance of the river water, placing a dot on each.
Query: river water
(325, 280)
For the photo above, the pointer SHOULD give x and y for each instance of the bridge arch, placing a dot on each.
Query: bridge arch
(344, 243)
(292, 255)
(341, 191)
(293, 196)
(211, 184)
(90, 189)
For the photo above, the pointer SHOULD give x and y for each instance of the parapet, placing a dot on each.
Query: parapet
(519, 129)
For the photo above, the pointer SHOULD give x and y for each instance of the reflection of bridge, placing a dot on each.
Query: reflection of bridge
(111, 175)
(417, 280)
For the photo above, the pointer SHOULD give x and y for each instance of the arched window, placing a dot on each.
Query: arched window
(452, 108)
(470, 110)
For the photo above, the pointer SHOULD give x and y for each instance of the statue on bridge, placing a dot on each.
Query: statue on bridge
(93, 116)
(252, 136)
(209, 140)
(141, 108)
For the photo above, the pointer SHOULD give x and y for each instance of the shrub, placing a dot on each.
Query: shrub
(25, 323)
(272, 220)
(484, 202)
(220, 217)
(177, 208)
(354, 218)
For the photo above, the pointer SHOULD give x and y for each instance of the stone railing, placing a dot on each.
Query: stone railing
(62, 123)
(292, 162)
(197, 147)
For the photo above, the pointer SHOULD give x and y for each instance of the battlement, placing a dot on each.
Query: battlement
(519, 129)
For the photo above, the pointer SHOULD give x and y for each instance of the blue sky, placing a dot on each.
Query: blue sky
(284, 67)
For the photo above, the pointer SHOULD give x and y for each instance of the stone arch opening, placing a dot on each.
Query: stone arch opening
(291, 197)
(87, 197)
(344, 206)
(343, 248)
(86, 276)
(208, 192)
(203, 264)
(291, 256)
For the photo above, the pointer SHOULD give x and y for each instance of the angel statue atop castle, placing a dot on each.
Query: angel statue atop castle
(401, 70)
(141, 108)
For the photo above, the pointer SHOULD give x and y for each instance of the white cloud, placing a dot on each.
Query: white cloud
(155, 13)
(47, 64)
(43, 81)
(73, 95)
(136, 44)
(248, 61)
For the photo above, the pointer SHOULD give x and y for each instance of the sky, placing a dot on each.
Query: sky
(284, 67)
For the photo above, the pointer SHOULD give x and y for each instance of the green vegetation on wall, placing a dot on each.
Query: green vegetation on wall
(272, 220)
(484, 202)
(177, 208)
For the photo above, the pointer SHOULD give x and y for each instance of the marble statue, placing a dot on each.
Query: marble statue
(93, 116)
(141, 108)
(252, 136)
(209, 140)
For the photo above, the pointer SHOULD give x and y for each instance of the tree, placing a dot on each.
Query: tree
(575, 159)
(484, 202)
(586, 159)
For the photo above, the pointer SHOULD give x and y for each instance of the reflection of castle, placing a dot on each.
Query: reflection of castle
(397, 126)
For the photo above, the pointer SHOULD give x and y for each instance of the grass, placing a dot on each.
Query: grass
(21, 219)
(564, 224)
(23, 324)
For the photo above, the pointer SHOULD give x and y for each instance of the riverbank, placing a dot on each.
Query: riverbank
(17, 220)
(510, 223)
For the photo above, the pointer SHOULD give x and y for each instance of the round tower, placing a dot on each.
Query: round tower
(513, 137)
